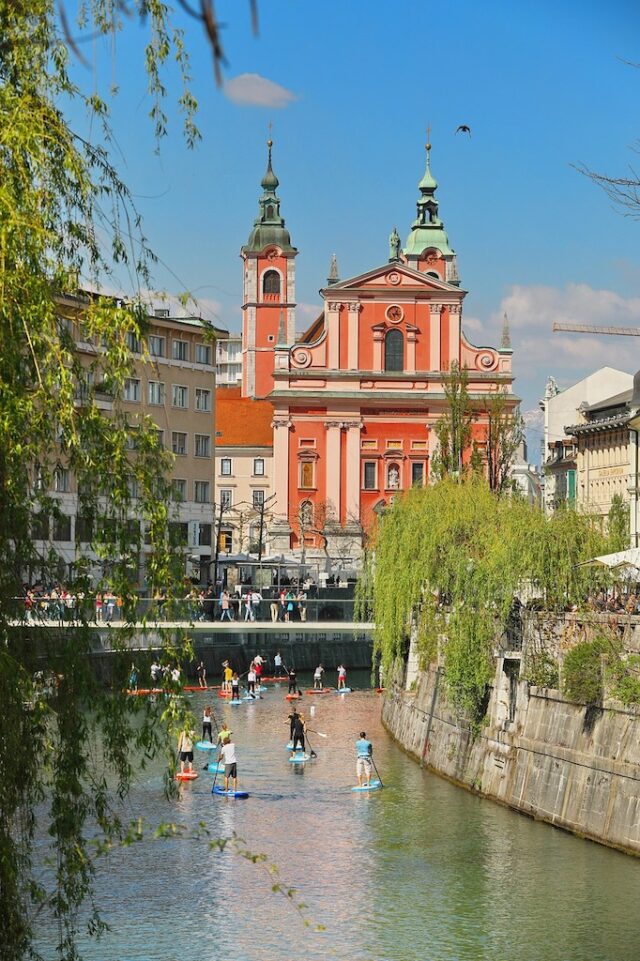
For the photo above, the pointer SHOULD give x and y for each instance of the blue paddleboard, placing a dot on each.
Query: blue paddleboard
(216, 767)
(234, 700)
(342, 690)
(372, 786)
(299, 758)
(220, 790)
(205, 746)
(289, 746)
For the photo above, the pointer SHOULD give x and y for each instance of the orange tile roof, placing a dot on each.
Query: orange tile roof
(242, 421)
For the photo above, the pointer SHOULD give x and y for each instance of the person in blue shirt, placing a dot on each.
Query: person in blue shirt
(364, 752)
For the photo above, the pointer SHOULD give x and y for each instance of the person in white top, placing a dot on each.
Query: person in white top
(251, 680)
(228, 755)
(342, 677)
(277, 664)
(185, 747)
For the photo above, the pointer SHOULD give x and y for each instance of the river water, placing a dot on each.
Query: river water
(419, 871)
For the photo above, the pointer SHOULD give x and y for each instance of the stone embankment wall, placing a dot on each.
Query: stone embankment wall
(575, 767)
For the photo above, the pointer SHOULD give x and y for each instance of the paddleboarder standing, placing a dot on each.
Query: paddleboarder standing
(298, 730)
(185, 747)
(228, 755)
(364, 752)
(277, 664)
(206, 725)
(342, 677)
(317, 678)
(293, 686)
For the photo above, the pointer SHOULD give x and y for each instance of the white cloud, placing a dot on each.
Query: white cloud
(252, 90)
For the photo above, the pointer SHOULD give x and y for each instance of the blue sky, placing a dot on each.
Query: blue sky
(542, 85)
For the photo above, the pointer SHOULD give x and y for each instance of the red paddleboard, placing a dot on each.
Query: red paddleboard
(292, 697)
(145, 691)
(224, 693)
(283, 678)
(186, 776)
(379, 690)
(320, 690)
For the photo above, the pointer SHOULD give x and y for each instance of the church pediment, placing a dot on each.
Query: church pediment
(392, 276)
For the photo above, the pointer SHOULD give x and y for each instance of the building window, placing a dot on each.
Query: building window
(179, 490)
(180, 350)
(417, 474)
(225, 541)
(258, 467)
(178, 442)
(62, 528)
(225, 466)
(132, 485)
(133, 342)
(178, 533)
(203, 399)
(204, 535)
(394, 351)
(306, 514)
(201, 492)
(179, 396)
(271, 282)
(156, 345)
(156, 392)
(61, 480)
(203, 354)
(258, 498)
(203, 445)
(370, 475)
(84, 528)
(393, 477)
(40, 527)
(226, 498)
(132, 389)
(307, 475)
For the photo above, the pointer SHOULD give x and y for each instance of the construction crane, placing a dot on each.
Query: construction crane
(593, 329)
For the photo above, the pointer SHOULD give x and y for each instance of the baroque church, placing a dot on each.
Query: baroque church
(356, 397)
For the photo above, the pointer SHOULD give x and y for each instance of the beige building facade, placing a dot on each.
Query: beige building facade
(173, 383)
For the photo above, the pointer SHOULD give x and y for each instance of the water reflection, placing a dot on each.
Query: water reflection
(420, 871)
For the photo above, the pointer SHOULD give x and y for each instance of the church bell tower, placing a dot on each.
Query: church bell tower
(268, 308)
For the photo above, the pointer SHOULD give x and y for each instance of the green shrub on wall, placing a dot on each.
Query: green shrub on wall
(582, 675)
(541, 669)
(623, 678)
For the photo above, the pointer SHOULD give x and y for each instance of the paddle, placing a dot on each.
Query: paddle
(376, 770)
(312, 752)
(319, 733)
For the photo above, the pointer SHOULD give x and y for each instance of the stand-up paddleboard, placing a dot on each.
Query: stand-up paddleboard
(372, 786)
(299, 758)
(224, 693)
(205, 746)
(145, 691)
(292, 697)
(216, 767)
(341, 690)
(318, 690)
(216, 789)
(248, 697)
(379, 690)
(235, 700)
(186, 775)
(289, 746)
(276, 680)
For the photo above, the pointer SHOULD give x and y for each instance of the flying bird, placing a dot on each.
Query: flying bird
(464, 129)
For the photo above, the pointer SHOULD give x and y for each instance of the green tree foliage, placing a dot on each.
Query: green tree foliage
(450, 559)
(618, 523)
(582, 673)
(454, 428)
(505, 433)
(65, 213)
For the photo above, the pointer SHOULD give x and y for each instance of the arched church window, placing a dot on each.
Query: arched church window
(306, 514)
(394, 350)
(271, 282)
(433, 273)
(269, 212)
(393, 477)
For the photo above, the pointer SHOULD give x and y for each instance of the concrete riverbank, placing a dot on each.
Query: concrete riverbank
(573, 766)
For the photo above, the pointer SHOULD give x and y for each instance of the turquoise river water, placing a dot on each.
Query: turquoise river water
(419, 871)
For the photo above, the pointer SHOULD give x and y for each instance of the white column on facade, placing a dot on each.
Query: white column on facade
(352, 496)
(333, 465)
(378, 340)
(411, 351)
(281, 428)
(454, 333)
(434, 336)
(333, 334)
(353, 334)
(291, 299)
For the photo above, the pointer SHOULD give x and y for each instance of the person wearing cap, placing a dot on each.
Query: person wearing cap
(364, 752)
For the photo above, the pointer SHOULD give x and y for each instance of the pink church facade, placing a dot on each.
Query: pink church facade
(356, 397)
